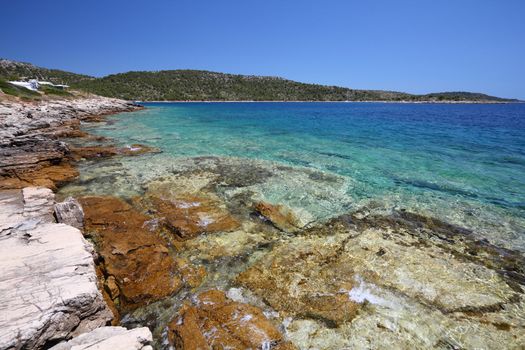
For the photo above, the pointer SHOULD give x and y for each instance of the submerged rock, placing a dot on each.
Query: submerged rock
(187, 208)
(192, 276)
(110, 338)
(231, 245)
(188, 216)
(283, 218)
(48, 285)
(361, 280)
(302, 279)
(89, 152)
(388, 285)
(215, 322)
(138, 259)
(462, 243)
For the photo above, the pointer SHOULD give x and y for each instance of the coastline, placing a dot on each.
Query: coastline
(31, 143)
(346, 266)
(49, 285)
(380, 101)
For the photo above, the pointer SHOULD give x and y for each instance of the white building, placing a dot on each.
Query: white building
(60, 86)
(31, 84)
(34, 84)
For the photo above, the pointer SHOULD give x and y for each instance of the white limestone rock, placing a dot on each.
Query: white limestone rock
(48, 284)
(28, 131)
(70, 213)
(38, 203)
(110, 338)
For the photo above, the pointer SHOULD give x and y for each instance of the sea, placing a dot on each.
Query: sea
(461, 166)
(460, 163)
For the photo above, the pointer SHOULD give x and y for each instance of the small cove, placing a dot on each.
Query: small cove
(322, 162)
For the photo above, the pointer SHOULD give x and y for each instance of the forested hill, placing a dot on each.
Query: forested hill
(13, 70)
(196, 85)
(204, 85)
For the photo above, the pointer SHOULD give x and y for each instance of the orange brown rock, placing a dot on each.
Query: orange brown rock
(136, 258)
(215, 322)
(50, 176)
(193, 276)
(280, 216)
(304, 281)
(90, 152)
(188, 216)
(110, 302)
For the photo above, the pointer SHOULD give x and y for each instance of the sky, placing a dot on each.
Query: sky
(416, 46)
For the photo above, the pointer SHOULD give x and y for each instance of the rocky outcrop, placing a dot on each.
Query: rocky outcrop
(397, 281)
(280, 216)
(300, 279)
(187, 216)
(50, 176)
(48, 284)
(135, 259)
(215, 322)
(43, 118)
(89, 152)
(110, 338)
(70, 212)
(30, 151)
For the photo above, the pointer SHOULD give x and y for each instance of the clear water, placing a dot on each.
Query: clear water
(464, 163)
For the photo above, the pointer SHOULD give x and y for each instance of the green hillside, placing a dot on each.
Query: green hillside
(196, 85)
(12, 70)
(203, 85)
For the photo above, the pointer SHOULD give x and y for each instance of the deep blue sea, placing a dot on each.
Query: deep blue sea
(463, 163)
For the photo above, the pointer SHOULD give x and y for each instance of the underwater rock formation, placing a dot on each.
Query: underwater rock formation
(187, 216)
(102, 151)
(351, 275)
(137, 258)
(214, 321)
(283, 218)
(328, 275)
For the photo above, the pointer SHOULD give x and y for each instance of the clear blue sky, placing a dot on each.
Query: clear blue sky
(416, 46)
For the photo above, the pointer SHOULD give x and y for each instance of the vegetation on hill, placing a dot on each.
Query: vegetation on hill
(51, 90)
(26, 94)
(12, 70)
(195, 85)
(18, 91)
(202, 85)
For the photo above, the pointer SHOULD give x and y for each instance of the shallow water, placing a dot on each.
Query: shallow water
(416, 283)
(463, 163)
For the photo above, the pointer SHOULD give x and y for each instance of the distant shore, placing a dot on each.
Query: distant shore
(401, 102)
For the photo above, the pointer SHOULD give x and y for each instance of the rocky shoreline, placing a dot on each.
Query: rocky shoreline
(31, 149)
(49, 281)
(219, 253)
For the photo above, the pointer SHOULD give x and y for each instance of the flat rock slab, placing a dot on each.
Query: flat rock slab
(48, 284)
(110, 338)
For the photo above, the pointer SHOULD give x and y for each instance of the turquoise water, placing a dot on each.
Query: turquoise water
(464, 163)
